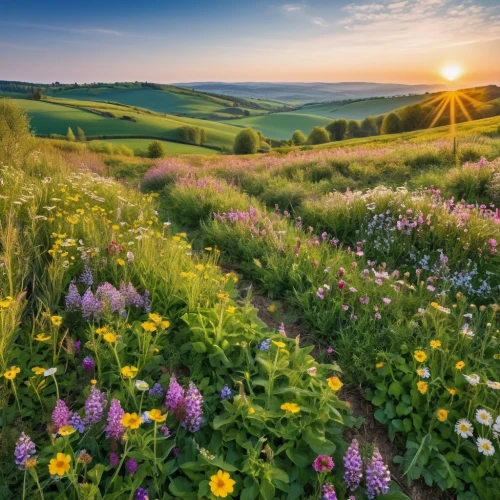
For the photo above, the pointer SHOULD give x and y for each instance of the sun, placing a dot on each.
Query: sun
(451, 72)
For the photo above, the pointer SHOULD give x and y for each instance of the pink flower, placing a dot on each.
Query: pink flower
(330, 350)
(323, 463)
(315, 263)
(431, 288)
(341, 285)
(345, 307)
(321, 293)
(386, 300)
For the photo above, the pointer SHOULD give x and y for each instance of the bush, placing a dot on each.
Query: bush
(412, 117)
(192, 135)
(369, 126)
(246, 142)
(156, 150)
(81, 134)
(337, 129)
(353, 128)
(298, 138)
(318, 135)
(391, 124)
(16, 141)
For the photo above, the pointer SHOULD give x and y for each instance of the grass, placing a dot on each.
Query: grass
(172, 148)
(50, 118)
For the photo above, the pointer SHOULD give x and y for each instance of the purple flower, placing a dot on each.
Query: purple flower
(130, 296)
(328, 492)
(141, 493)
(110, 298)
(264, 345)
(193, 405)
(114, 428)
(176, 451)
(77, 422)
(225, 393)
(114, 460)
(87, 278)
(94, 407)
(323, 463)
(73, 299)
(60, 415)
(353, 466)
(165, 430)
(320, 293)
(378, 476)
(88, 364)
(175, 395)
(131, 466)
(281, 329)
(91, 307)
(156, 391)
(25, 449)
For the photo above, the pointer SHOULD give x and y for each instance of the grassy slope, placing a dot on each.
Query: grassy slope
(172, 148)
(282, 125)
(361, 109)
(48, 118)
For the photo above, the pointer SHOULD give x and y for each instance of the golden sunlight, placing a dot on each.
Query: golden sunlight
(451, 72)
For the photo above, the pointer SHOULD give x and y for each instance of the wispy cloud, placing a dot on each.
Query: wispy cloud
(18, 46)
(319, 21)
(291, 7)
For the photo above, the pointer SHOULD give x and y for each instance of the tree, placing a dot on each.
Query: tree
(369, 126)
(247, 142)
(81, 134)
(412, 117)
(337, 129)
(298, 138)
(156, 150)
(318, 135)
(353, 128)
(203, 136)
(192, 135)
(391, 124)
(37, 95)
(16, 141)
(246, 112)
(69, 135)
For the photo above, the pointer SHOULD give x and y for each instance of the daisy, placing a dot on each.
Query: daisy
(467, 331)
(496, 428)
(464, 428)
(493, 385)
(485, 447)
(484, 417)
(473, 379)
(424, 372)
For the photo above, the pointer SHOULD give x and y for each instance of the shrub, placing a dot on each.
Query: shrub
(391, 124)
(318, 135)
(412, 117)
(156, 150)
(246, 142)
(123, 150)
(369, 126)
(16, 141)
(192, 135)
(70, 136)
(298, 138)
(81, 134)
(353, 128)
(337, 129)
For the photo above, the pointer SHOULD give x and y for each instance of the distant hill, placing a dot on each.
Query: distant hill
(300, 93)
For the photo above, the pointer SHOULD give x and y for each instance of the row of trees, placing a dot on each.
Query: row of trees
(192, 135)
(80, 135)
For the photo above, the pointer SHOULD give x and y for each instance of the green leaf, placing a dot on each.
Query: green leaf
(396, 389)
(267, 490)
(378, 400)
(199, 347)
(250, 492)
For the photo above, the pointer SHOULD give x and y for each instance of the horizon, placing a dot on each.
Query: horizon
(315, 41)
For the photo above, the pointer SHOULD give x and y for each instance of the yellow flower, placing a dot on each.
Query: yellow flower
(379, 365)
(38, 370)
(435, 344)
(422, 387)
(291, 407)
(102, 330)
(155, 318)
(110, 337)
(115, 227)
(72, 220)
(251, 411)
(221, 484)
(60, 464)
(452, 391)
(334, 383)
(131, 420)
(120, 262)
(41, 337)
(148, 326)
(231, 310)
(66, 430)
(442, 415)
(420, 356)
(156, 416)
(129, 371)
(208, 249)
(93, 381)
(165, 324)
(6, 302)
(56, 320)
(280, 345)
(271, 308)
(30, 463)
(459, 365)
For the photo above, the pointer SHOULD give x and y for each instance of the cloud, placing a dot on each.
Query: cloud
(318, 21)
(82, 31)
(290, 7)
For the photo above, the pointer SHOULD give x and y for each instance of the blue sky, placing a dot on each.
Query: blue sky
(314, 40)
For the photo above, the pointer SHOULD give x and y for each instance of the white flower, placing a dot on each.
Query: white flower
(424, 372)
(473, 379)
(141, 385)
(467, 331)
(493, 385)
(49, 372)
(496, 428)
(464, 428)
(130, 256)
(312, 371)
(484, 417)
(485, 447)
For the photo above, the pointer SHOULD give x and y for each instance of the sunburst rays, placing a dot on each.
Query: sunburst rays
(451, 102)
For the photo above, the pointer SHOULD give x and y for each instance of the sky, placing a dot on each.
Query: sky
(165, 41)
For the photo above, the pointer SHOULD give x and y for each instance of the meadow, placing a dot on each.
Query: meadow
(135, 365)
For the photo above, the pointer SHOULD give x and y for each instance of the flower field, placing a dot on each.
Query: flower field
(133, 365)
